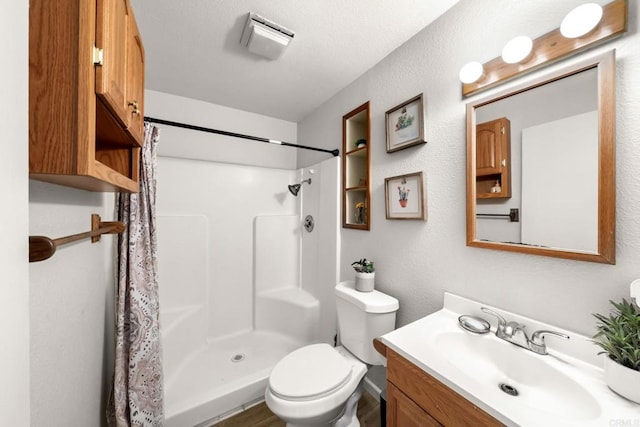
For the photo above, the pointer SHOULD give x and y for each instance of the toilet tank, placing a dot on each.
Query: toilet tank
(363, 316)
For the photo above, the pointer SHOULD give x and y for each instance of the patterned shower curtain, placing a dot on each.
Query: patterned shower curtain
(137, 395)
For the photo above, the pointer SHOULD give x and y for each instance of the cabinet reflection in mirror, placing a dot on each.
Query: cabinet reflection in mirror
(546, 148)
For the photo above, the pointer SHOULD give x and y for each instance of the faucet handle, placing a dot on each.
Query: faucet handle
(502, 322)
(537, 344)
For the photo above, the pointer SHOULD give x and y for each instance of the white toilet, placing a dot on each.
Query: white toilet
(319, 385)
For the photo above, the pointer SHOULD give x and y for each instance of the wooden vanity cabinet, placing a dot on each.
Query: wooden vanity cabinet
(86, 83)
(415, 398)
(493, 158)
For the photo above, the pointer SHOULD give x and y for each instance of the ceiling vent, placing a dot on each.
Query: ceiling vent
(265, 38)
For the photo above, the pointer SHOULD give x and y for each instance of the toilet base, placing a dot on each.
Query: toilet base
(348, 417)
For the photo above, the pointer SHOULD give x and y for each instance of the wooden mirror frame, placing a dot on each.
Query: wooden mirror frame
(605, 64)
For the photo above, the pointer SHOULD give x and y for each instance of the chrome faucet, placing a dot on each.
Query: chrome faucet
(515, 333)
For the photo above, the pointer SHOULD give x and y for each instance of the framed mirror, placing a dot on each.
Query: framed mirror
(541, 165)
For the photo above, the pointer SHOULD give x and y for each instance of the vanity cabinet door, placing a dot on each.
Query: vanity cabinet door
(489, 148)
(404, 412)
(493, 158)
(432, 397)
(135, 82)
(111, 37)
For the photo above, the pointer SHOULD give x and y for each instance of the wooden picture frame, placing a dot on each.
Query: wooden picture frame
(405, 124)
(404, 197)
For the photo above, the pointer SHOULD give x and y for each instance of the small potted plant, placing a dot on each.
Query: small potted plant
(365, 275)
(619, 337)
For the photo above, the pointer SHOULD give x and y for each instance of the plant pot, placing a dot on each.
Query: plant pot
(622, 380)
(403, 203)
(365, 281)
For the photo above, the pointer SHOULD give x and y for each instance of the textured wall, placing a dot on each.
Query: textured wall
(417, 261)
(14, 279)
(71, 309)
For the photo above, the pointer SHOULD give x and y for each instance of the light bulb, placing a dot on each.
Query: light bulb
(471, 72)
(517, 49)
(581, 20)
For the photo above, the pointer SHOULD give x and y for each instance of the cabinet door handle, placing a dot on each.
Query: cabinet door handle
(504, 162)
(134, 104)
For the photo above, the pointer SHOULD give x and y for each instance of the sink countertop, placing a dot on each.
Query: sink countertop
(581, 398)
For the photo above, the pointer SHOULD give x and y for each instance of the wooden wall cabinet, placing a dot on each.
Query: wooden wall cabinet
(493, 159)
(86, 88)
(356, 185)
(415, 398)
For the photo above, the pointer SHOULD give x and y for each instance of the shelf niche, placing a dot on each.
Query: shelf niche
(356, 182)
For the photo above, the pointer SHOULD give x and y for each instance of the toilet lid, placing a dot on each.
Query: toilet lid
(309, 372)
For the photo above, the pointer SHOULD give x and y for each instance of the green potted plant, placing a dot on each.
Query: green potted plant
(365, 275)
(619, 337)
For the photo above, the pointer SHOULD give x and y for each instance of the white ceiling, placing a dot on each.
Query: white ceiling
(193, 50)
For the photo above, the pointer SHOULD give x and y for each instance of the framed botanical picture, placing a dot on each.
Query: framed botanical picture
(405, 125)
(404, 197)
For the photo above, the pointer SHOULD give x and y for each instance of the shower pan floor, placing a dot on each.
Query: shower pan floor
(222, 376)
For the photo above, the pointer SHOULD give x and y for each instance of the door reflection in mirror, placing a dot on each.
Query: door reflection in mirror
(553, 166)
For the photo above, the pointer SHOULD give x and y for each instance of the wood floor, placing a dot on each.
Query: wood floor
(261, 416)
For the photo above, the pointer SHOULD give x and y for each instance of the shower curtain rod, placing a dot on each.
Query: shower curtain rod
(335, 152)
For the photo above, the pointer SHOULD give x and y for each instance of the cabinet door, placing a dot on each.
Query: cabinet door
(135, 81)
(111, 37)
(404, 412)
(489, 148)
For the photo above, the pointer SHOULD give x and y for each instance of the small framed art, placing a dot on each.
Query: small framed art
(405, 125)
(404, 197)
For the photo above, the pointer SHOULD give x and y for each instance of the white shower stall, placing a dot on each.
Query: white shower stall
(242, 283)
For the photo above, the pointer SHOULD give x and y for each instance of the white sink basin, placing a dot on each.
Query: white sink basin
(564, 388)
(539, 385)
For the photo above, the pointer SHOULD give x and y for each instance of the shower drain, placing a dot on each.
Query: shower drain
(509, 389)
(238, 357)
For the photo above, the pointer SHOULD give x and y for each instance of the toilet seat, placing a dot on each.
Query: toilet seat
(310, 373)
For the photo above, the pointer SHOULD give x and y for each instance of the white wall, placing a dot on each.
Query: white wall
(188, 144)
(417, 261)
(53, 315)
(14, 284)
(71, 309)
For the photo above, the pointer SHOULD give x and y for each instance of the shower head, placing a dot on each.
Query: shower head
(295, 188)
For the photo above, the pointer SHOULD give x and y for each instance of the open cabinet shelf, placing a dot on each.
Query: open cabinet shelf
(356, 186)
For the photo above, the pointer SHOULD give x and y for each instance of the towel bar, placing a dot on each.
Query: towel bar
(42, 247)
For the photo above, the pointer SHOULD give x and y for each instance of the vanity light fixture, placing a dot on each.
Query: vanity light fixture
(517, 49)
(585, 27)
(581, 20)
(471, 72)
